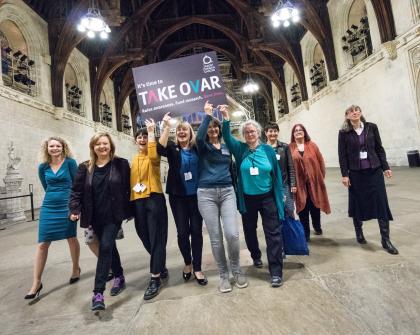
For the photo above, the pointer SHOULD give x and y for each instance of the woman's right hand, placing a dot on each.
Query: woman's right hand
(346, 181)
(208, 108)
(74, 217)
(166, 118)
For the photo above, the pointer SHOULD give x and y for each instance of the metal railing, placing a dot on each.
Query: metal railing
(30, 195)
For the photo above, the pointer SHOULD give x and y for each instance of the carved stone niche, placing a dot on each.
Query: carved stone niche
(390, 49)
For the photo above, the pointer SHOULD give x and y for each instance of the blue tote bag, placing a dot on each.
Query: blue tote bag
(294, 241)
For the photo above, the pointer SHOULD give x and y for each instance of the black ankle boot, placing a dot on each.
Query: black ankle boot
(359, 231)
(386, 242)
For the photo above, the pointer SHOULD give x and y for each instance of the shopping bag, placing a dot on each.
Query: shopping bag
(294, 241)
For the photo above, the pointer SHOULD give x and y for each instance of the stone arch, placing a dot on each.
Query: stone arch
(346, 17)
(31, 32)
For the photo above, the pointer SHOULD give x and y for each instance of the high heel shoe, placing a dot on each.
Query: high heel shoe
(75, 279)
(186, 275)
(202, 281)
(34, 295)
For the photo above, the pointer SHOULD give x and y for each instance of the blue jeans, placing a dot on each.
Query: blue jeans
(217, 206)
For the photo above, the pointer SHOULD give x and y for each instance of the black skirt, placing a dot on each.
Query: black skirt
(367, 195)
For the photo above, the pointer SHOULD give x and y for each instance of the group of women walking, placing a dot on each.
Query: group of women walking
(208, 179)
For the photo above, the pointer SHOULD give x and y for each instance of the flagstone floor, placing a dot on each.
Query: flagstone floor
(341, 288)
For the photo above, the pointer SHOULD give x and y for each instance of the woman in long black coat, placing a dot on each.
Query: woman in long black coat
(363, 165)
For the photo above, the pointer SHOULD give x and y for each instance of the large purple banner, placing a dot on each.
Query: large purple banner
(180, 86)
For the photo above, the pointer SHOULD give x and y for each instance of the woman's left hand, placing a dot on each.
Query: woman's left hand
(224, 110)
(388, 173)
(150, 125)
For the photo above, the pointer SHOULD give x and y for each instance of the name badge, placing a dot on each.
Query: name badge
(187, 176)
(278, 157)
(254, 171)
(363, 154)
(139, 188)
(225, 151)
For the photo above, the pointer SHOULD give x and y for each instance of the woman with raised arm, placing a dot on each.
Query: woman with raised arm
(217, 200)
(363, 165)
(56, 174)
(182, 187)
(259, 189)
(100, 198)
(151, 215)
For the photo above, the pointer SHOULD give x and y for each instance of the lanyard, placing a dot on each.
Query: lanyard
(139, 166)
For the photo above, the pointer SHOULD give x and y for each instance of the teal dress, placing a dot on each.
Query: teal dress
(54, 222)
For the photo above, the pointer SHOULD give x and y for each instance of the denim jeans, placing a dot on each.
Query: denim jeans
(188, 223)
(108, 255)
(218, 209)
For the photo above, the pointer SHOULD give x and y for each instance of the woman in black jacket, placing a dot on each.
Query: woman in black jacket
(182, 189)
(362, 161)
(100, 198)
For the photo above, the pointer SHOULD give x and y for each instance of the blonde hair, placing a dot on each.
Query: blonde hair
(347, 124)
(45, 156)
(93, 157)
(185, 124)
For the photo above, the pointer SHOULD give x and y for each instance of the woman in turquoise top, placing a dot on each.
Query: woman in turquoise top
(259, 189)
(56, 174)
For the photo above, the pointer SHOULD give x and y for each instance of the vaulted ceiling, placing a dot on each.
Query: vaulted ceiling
(148, 31)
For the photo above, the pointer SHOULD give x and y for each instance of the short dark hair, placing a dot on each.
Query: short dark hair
(271, 125)
(140, 131)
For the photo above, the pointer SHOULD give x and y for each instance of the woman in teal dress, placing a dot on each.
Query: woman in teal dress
(56, 174)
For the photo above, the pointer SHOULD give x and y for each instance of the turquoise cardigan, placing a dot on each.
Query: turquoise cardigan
(240, 150)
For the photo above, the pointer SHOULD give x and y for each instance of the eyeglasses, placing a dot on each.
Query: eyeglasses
(250, 132)
(298, 130)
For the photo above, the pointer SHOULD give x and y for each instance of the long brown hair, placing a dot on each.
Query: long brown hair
(347, 126)
(93, 141)
(45, 156)
(307, 138)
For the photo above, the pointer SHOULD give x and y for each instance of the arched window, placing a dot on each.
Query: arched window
(357, 43)
(17, 67)
(318, 73)
(73, 92)
(296, 96)
(105, 113)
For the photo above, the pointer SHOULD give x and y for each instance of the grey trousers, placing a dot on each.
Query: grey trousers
(218, 209)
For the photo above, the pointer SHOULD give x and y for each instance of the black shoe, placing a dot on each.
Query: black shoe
(186, 275)
(153, 288)
(318, 232)
(360, 237)
(202, 282)
(164, 274)
(75, 279)
(387, 245)
(276, 281)
(34, 295)
(258, 263)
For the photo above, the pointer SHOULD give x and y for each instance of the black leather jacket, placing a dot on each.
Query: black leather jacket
(286, 164)
(349, 149)
(81, 201)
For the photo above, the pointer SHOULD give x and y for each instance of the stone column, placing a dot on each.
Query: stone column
(415, 9)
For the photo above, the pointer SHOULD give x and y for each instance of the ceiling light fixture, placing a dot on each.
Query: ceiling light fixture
(284, 13)
(250, 86)
(94, 24)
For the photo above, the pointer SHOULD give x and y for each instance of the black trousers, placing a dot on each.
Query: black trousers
(266, 205)
(109, 256)
(151, 221)
(315, 216)
(188, 223)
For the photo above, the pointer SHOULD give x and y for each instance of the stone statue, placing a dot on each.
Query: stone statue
(14, 161)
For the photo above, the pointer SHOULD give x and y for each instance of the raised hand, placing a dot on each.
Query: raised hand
(224, 109)
(208, 108)
(150, 125)
(166, 119)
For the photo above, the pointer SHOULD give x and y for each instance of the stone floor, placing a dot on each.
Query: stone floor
(341, 288)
